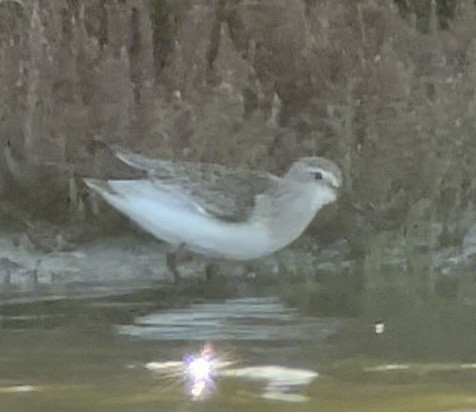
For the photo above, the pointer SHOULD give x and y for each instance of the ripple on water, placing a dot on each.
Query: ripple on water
(247, 319)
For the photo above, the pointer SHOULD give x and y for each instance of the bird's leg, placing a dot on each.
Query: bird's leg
(250, 271)
(211, 271)
(171, 261)
(34, 273)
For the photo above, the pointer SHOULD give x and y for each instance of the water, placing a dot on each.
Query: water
(126, 354)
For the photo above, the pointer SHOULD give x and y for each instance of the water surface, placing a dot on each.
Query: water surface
(125, 354)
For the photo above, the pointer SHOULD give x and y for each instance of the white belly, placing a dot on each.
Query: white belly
(178, 221)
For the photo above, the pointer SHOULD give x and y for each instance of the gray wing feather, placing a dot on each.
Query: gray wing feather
(227, 194)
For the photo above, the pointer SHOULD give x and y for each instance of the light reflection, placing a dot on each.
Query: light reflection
(202, 370)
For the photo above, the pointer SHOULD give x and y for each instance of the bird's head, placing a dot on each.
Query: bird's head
(317, 173)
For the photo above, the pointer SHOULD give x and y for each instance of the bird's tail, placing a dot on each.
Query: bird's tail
(138, 161)
(99, 186)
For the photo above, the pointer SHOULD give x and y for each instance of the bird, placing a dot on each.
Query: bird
(224, 213)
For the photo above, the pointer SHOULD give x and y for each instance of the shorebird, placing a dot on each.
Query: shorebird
(233, 214)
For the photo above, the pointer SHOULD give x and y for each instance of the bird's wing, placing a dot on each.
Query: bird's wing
(224, 193)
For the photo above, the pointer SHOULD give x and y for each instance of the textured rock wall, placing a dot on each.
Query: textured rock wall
(253, 84)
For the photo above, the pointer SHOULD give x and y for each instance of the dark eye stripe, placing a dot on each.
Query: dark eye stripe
(317, 175)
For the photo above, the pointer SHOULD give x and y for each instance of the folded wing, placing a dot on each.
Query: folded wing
(224, 193)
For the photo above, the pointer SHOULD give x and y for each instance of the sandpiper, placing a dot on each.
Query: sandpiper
(226, 213)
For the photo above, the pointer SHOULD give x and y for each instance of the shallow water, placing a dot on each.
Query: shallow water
(126, 354)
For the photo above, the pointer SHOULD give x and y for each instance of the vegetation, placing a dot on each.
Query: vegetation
(386, 88)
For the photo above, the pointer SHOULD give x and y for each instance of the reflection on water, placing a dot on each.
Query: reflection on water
(127, 354)
(259, 319)
(247, 321)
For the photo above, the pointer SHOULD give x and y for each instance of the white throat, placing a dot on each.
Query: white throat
(302, 204)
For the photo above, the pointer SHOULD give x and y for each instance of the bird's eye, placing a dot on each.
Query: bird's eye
(317, 175)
